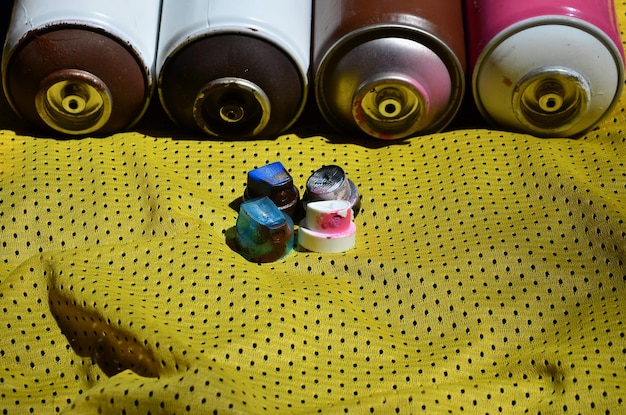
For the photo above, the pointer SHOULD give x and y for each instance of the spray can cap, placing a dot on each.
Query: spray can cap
(331, 183)
(327, 227)
(275, 182)
(263, 232)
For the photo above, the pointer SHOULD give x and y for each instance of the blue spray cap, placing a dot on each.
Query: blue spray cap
(264, 232)
(275, 182)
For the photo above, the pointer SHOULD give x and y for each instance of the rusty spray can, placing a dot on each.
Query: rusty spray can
(234, 69)
(390, 69)
(547, 68)
(81, 66)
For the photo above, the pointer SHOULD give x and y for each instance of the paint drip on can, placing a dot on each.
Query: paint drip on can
(389, 69)
(234, 69)
(547, 68)
(81, 67)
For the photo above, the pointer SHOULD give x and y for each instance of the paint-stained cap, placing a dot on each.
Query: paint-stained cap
(276, 183)
(263, 232)
(331, 183)
(327, 227)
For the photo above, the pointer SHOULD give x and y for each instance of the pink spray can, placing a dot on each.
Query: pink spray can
(544, 67)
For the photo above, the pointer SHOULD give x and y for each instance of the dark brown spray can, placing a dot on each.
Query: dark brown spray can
(391, 68)
(81, 67)
(234, 69)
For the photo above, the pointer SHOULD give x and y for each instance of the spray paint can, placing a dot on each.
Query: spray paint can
(81, 66)
(548, 68)
(389, 68)
(234, 69)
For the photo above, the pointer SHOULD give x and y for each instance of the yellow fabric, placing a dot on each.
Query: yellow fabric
(488, 277)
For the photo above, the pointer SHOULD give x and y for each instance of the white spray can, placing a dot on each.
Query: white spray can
(234, 69)
(81, 66)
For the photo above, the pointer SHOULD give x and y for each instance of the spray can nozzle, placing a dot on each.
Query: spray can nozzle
(551, 99)
(389, 105)
(232, 106)
(73, 101)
